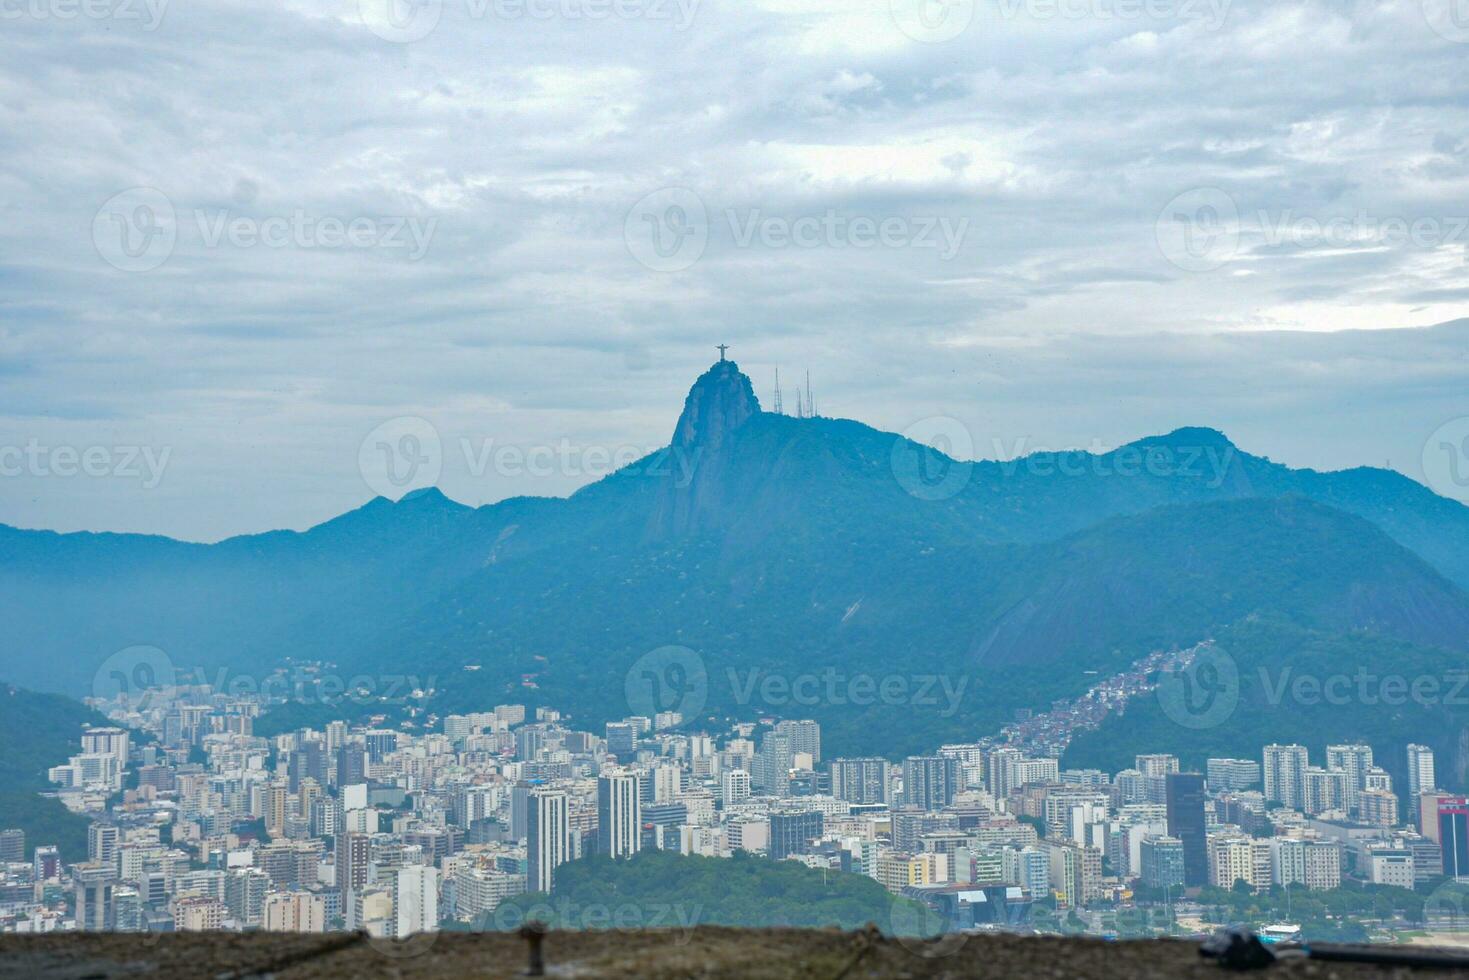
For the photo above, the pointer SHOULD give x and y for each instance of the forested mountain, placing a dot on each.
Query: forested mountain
(779, 545)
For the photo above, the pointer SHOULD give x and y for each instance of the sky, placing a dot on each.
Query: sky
(249, 247)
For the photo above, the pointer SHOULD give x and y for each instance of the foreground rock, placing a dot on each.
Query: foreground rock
(773, 954)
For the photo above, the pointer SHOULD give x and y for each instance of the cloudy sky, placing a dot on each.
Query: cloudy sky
(244, 242)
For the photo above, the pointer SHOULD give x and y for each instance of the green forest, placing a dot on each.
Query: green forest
(660, 889)
(38, 731)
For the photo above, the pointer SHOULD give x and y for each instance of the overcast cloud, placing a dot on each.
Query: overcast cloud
(239, 237)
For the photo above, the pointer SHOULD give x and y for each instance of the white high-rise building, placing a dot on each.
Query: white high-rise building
(1355, 761)
(1287, 861)
(548, 837)
(1323, 865)
(1326, 789)
(736, 786)
(1001, 765)
(106, 741)
(1231, 774)
(667, 782)
(863, 780)
(1421, 777)
(352, 867)
(415, 900)
(295, 912)
(1156, 765)
(1028, 867)
(805, 736)
(1285, 774)
(773, 765)
(619, 814)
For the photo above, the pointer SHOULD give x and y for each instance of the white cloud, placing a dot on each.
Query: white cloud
(1056, 141)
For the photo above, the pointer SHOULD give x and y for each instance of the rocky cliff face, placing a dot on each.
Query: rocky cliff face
(690, 499)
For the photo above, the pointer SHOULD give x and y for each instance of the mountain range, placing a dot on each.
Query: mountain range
(770, 545)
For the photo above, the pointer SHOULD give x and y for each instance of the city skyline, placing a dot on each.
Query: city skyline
(492, 825)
